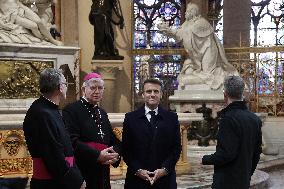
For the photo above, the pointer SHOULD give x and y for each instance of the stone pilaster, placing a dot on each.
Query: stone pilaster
(108, 69)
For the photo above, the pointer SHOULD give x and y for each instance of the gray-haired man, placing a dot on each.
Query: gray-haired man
(48, 142)
(238, 141)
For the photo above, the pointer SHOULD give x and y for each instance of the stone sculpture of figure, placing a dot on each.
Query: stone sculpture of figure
(101, 18)
(22, 20)
(207, 63)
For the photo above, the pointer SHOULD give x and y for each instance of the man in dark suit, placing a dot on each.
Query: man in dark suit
(238, 141)
(151, 142)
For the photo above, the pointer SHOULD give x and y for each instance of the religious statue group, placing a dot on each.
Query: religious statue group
(20, 24)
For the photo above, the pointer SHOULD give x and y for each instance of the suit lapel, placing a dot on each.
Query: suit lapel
(144, 123)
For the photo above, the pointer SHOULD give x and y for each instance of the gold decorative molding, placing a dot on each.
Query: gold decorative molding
(19, 78)
(118, 132)
(15, 166)
(12, 142)
(254, 49)
(159, 51)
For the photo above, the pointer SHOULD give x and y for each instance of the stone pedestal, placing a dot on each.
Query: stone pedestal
(108, 69)
(194, 96)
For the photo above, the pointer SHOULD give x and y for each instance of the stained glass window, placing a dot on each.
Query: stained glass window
(270, 73)
(267, 22)
(148, 62)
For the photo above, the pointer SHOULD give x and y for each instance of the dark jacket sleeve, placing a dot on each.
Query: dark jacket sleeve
(73, 127)
(173, 157)
(132, 163)
(227, 146)
(53, 155)
(257, 149)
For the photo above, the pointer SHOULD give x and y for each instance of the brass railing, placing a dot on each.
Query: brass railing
(262, 68)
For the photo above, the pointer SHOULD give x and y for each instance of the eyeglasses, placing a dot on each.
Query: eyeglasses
(65, 83)
(94, 88)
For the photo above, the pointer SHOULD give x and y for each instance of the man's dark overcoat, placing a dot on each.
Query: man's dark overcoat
(238, 147)
(144, 148)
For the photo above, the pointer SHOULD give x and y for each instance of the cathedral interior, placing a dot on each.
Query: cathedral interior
(251, 33)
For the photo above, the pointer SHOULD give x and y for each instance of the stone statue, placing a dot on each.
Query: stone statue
(19, 24)
(101, 18)
(207, 63)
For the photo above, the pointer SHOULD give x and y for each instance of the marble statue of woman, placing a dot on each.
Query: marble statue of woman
(24, 21)
(207, 63)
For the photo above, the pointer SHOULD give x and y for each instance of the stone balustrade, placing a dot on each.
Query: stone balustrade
(16, 162)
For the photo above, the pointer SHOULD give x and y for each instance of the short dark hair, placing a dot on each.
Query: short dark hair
(234, 87)
(153, 81)
(50, 79)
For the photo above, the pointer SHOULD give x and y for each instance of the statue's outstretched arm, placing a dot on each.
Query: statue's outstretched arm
(170, 31)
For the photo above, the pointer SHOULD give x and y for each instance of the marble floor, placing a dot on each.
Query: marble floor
(200, 176)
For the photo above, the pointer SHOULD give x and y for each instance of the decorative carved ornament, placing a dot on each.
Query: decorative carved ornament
(19, 78)
(15, 166)
(118, 132)
(12, 142)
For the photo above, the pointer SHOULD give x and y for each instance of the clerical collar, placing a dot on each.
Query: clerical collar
(49, 100)
(86, 101)
(147, 110)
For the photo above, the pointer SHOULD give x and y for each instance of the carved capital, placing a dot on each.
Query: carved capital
(108, 68)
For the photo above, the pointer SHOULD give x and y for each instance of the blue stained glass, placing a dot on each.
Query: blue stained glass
(166, 68)
(168, 10)
(270, 73)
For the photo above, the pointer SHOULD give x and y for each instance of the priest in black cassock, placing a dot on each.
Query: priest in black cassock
(95, 145)
(47, 140)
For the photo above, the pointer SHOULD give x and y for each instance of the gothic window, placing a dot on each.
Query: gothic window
(155, 54)
(267, 22)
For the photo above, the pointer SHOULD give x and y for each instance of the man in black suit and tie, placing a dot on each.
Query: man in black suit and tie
(151, 142)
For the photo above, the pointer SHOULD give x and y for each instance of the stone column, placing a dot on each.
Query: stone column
(108, 69)
(237, 15)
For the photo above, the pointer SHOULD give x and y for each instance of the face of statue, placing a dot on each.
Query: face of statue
(152, 95)
(191, 12)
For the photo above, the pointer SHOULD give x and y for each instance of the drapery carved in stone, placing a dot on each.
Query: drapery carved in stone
(19, 78)
(26, 22)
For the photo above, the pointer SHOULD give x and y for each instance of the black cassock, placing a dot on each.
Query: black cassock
(50, 147)
(90, 132)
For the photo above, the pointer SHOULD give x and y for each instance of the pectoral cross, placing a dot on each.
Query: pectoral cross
(101, 133)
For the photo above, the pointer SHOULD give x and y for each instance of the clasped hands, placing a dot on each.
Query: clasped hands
(108, 156)
(152, 177)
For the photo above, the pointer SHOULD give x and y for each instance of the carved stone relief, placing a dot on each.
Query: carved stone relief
(19, 78)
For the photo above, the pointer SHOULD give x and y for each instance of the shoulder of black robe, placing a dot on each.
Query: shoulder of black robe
(74, 116)
(82, 129)
(47, 139)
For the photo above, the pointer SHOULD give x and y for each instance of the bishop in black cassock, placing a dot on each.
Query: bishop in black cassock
(91, 132)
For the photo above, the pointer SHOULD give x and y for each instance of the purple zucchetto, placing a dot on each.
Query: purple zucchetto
(91, 76)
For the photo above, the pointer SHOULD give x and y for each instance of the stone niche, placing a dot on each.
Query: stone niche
(20, 68)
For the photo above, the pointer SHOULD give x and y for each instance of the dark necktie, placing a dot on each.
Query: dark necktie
(152, 119)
